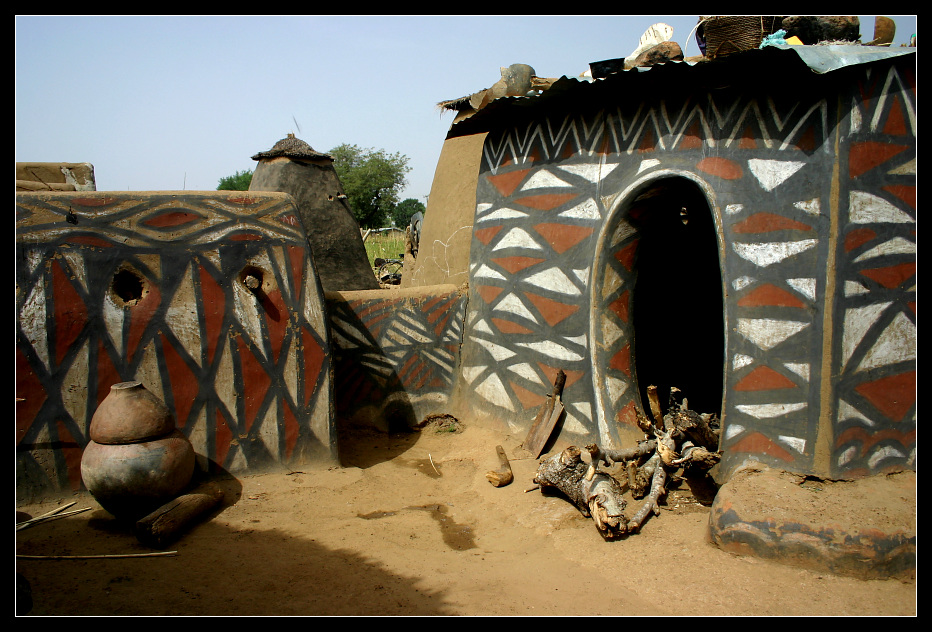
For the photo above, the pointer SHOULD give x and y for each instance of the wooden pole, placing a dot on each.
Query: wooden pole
(170, 520)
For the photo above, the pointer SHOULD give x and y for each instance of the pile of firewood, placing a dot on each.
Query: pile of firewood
(680, 440)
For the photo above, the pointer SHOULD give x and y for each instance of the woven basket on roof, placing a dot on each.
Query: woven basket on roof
(726, 34)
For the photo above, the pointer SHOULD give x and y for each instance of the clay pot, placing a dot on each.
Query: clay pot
(136, 460)
(133, 479)
(130, 413)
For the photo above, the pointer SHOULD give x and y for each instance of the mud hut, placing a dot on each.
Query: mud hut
(742, 228)
(292, 166)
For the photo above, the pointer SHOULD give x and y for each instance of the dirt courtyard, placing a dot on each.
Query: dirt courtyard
(409, 525)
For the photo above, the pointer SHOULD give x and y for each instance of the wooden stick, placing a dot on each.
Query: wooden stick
(48, 518)
(94, 557)
(655, 406)
(503, 475)
(50, 513)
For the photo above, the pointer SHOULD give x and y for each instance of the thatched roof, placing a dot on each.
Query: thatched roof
(292, 147)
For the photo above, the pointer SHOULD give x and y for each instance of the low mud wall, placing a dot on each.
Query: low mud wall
(395, 353)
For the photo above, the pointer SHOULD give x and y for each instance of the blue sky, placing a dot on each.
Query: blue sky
(172, 102)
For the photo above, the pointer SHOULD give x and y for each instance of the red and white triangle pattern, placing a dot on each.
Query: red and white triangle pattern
(195, 337)
(875, 354)
(544, 193)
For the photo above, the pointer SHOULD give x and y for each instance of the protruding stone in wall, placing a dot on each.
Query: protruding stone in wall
(294, 167)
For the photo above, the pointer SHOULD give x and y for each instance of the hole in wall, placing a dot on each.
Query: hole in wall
(251, 277)
(677, 304)
(128, 287)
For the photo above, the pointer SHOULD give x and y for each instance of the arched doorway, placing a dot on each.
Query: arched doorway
(677, 303)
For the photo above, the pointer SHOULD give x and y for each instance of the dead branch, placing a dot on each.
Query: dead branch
(651, 505)
(681, 439)
(654, 405)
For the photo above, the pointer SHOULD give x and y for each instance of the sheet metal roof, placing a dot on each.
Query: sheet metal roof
(820, 59)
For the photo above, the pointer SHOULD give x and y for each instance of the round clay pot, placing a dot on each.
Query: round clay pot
(131, 480)
(129, 414)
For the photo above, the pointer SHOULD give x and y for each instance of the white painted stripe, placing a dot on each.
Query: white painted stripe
(796, 443)
(555, 280)
(866, 208)
(895, 246)
(492, 390)
(485, 272)
(742, 282)
(517, 238)
(897, 343)
(806, 287)
(526, 371)
(732, 430)
(799, 368)
(551, 349)
(769, 411)
(857, 321)
(543, 179)
(650, 163)
(498, 352)
(885, 452)
(500, 214)
(767, 333)
(813, 206)
(511, 304)
(588, 209)
(848, 413)
(773, 173)
(768, 253)
(470, 373)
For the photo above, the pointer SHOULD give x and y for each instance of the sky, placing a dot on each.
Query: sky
(179, 102)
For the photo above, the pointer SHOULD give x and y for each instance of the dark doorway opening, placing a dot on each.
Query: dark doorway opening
(678, 308)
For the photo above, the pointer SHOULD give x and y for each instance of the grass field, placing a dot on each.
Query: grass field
(387, 245)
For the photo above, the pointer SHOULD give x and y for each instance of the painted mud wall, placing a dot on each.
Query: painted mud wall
(155, 287)
(395, 353)
(810, 182)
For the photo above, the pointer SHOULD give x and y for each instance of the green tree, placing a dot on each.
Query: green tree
(372, 181)
(239, 181)
(405, 209)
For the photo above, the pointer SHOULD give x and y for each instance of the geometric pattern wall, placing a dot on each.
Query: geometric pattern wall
(396, 353)
(554, 259)
(875, 349)
(210, 299)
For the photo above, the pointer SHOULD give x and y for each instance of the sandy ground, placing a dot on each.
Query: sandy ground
(409, 525)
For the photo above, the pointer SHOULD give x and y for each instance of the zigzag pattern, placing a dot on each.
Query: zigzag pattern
(194, 334)
(725, 122)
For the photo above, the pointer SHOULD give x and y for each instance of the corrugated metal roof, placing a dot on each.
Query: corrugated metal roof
(819, 59)
(822, 59)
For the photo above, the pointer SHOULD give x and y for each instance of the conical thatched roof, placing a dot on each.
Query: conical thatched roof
(292, 147)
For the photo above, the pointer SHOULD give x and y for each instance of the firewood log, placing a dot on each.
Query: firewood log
(598, 496)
